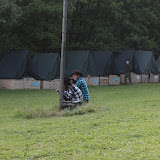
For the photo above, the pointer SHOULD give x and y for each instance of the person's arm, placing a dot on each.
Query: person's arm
(78, 84)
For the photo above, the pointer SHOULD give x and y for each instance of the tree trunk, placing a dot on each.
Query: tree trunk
(63, 50)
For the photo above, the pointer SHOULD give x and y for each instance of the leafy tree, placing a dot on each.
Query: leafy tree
(9, 14)
(40, 26)
(35, 25)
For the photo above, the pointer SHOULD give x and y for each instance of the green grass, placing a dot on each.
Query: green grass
(125, 124)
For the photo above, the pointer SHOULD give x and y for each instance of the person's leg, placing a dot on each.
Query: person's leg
(125, 78)
(66, 104)
(129, 77)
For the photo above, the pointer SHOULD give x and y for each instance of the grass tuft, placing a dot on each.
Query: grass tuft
(77, 111)
(30, 113)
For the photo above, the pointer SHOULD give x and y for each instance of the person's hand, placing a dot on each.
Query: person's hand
(57, 91)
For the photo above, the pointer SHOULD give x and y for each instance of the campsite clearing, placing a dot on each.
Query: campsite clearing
(125, 125)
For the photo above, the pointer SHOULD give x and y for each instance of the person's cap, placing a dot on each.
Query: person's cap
(77, 72)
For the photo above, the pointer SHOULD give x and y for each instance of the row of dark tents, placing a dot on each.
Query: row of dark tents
(46, 66)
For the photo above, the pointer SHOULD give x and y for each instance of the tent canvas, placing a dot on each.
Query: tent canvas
(80, 60)
(119, 61)
(46, 66)
(158, 64)
(15, 65)
(144, 62)
(103, 62)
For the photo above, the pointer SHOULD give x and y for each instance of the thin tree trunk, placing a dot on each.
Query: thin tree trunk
(63, 50)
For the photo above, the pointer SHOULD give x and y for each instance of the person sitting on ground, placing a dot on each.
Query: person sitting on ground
(71, 93)
(128, 73)
(81, 84)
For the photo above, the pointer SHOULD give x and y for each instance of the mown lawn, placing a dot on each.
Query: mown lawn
(125, 125)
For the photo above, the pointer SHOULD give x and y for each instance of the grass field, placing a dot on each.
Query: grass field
(124, 126)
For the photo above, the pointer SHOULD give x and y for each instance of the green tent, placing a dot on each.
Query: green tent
(82, 61)
(103, 62)
(158, 64)
(144, 62)
(15, 65)
(46, 66)
(119, 61)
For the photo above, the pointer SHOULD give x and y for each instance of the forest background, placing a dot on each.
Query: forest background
(104, 25)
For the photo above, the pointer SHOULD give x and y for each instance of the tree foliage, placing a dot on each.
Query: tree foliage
(35, 25)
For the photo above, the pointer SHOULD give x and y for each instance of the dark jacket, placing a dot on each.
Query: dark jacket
(128, 68)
